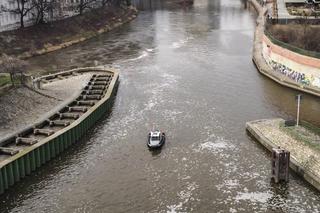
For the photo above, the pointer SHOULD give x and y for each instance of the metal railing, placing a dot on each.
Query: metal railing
(291, 47)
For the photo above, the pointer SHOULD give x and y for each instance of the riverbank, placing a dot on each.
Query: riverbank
(25, 150)
(300, 141)
(41, 39)
(261, 63)
(272, 133)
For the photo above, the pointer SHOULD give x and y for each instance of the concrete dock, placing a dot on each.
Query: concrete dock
(26, 150)
(302, 142)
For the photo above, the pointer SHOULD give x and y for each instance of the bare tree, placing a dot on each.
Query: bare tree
(23, 8)
(116, 2)
(104, 3)
(83, 5)
(120, 2)
(41, 9)
(12, 66)
(306, 25)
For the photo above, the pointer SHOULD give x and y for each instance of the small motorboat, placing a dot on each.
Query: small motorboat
(156, 139)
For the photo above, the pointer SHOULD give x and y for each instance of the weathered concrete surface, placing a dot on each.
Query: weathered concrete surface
(282, 10)
(310, 66)
(54, 141)
(305, 159)
(260, 62)
(22, 106)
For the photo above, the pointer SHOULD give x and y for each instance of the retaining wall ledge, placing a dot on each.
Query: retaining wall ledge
(15, 167)
(310, 176)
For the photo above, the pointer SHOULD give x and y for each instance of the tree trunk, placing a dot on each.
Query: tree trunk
(81, 5)
(21, 21)
(12, 79)
(22, 79)
(41, 18)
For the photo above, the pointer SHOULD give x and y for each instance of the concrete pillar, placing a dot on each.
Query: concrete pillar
(280, 165)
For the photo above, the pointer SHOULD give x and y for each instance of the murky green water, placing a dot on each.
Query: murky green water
(188, 72)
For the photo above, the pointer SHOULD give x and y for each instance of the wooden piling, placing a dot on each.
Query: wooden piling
(280, 165)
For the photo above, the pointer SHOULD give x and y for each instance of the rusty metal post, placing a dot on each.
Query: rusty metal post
(280, 165)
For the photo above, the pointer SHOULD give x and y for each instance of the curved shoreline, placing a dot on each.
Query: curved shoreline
(130, 14)
(107, 28)
(261, 64)
(24, 151)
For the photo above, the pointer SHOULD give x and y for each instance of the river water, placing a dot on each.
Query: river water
(187, 71)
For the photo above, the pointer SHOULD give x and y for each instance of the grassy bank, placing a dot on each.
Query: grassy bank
(305, 132)
(40, 39)
(4, 79)
(304, 158)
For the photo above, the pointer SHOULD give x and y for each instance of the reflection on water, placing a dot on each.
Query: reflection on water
(189, 72)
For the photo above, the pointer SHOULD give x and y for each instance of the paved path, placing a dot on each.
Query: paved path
(282, 10)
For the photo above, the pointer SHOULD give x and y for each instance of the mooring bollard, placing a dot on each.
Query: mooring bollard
(85, 103)
(46, 132)
(93, 92)
(26, 141)
(99, 83)
(91, 97)
(59, 123)
(36, 84)
(280, 165)
(97, 87)
(68, 115)
(8, 151)
(77, 109)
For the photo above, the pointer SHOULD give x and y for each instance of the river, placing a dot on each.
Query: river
(187, 71)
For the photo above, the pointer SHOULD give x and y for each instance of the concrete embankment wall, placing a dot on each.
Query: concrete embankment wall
(303, 64)
(308, 175)
(16, 167)
(260, 61)
(255, 5)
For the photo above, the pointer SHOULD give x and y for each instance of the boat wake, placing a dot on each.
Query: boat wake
(144, 54)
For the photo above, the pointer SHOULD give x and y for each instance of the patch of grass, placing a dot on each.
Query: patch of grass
(311, 127)
(306, 133)
(4, 79)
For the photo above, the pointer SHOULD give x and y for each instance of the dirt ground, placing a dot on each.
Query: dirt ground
(38, 37)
